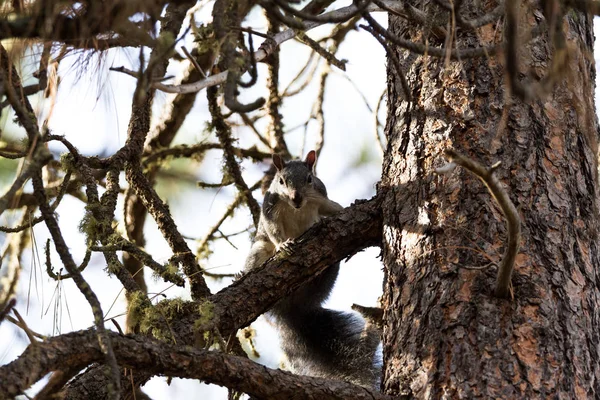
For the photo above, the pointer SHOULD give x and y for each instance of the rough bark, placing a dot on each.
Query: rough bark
(78, 349)
(446, 335)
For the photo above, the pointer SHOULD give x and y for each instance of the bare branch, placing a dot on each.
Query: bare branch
(428, 50)
(331, 59)
(509, 210)
(266, 50)
(79, 349)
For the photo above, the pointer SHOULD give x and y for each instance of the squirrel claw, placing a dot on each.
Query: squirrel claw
(286, 247)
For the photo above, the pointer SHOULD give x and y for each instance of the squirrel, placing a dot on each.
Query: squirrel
(316, 341)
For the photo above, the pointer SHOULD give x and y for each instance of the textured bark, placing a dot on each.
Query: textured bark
(445, 333)
(78, 349)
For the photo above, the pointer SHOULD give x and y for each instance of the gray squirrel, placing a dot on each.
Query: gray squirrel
(316, 341)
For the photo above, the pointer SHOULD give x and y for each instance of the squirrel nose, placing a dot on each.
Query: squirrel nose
(297, 199)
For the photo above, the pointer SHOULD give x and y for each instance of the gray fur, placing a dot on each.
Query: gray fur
(317, 341)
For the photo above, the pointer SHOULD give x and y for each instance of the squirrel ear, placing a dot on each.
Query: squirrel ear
(311, 159)
(278, 162)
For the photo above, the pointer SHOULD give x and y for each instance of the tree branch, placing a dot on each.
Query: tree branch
(266, 49)
(79, 349)
(509, 210)
(351, 230)
(84, 26)
(343, 235)
(223, 132)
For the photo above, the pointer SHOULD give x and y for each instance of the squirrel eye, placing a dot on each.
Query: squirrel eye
(281, 181)
(309, 179)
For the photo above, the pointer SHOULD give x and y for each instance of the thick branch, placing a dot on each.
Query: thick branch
(85, 26)
(341, 236)
(80, 349)
(236, 306)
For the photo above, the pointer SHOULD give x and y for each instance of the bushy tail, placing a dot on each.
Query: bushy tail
(331, 344)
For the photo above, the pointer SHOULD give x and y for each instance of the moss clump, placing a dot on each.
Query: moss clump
(171, 308)
(67, 161)
(90, 226)
(205, 39)
(138, 304)
(166, 43)
(154, 320)
(207, 314)
(170, 274)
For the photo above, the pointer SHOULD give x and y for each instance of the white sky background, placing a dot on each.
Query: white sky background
(94, 118)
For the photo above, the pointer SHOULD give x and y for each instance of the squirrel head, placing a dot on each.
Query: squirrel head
(294, 181)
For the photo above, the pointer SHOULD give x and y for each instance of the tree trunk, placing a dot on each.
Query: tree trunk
(446, 335)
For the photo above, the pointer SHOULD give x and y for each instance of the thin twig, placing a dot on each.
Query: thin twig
(331, 59)
(19, 324)
(288, 92)
(24, 327)
(228, 212)
(193, 61)
(380, 144)
(143, 257)
(223, 132)
(423, 49)
(266, 50)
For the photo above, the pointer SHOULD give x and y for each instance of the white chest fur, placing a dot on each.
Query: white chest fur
(295, 222)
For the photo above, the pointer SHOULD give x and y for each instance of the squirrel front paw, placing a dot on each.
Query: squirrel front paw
(286, 247)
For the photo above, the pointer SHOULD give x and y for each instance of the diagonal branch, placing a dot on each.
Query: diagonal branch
(343, 235)
(159, 211)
